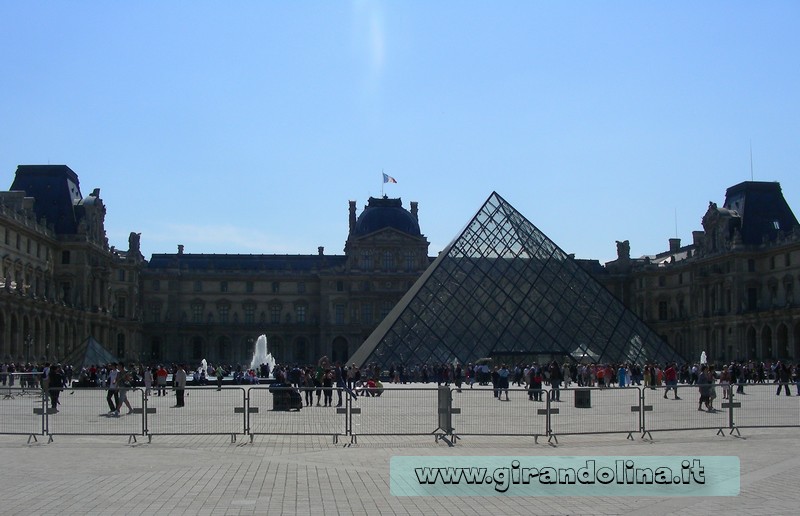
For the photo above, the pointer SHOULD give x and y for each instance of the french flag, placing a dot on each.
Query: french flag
(389, 179)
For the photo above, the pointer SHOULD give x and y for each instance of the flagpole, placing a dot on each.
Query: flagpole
(382, 182)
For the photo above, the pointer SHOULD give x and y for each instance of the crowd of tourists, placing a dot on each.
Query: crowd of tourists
(317, 383)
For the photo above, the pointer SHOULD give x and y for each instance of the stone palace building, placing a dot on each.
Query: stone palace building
(730, 292)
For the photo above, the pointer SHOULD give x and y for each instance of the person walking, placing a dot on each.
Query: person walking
(112, 395)
(124, 384)
(179, 381)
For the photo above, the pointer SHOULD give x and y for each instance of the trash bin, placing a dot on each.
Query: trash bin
(583, 398)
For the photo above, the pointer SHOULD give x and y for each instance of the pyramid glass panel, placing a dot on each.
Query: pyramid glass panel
(501, 288)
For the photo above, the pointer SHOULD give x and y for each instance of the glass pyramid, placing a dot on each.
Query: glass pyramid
(503, 289)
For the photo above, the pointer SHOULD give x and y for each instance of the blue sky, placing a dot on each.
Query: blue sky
(246, 127)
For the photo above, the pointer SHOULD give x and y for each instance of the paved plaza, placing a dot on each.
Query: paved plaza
(317, 474)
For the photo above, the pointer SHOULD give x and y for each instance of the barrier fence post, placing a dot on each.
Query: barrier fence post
(446, 411)
(732, 404)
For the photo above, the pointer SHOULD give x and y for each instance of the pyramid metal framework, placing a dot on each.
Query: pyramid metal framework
(502, 288)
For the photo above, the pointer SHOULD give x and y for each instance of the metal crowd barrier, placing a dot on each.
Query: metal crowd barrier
(22, 412)
(443, 412)
(86, 412)
(480, 412)
(760, 407)
(593, 410)
(275, 411)
(206, 411)
(396, 411)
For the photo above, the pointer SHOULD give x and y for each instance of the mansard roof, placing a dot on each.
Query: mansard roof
(56, 190)
(763, 210)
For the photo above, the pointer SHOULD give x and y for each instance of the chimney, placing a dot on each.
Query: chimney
(321, 251)
(352, 215)
(674, 244)
(180, 248)
(414, 209)
(698, 238)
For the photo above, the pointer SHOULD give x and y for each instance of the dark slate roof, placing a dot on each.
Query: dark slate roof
(55, 188)
(245, 262)
(762, 208)
(385, 213)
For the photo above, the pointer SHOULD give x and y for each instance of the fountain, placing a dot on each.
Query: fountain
(203, 368)
(703, 358)
(261, 356)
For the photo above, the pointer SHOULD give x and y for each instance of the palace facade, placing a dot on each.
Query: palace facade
(729, 293)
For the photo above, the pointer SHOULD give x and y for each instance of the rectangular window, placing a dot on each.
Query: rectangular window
(339, 314)
(409, 261)
(249, 287)
(197, 313)
(366, 261)
(388, 261)
(224, 311)
(223, 286)
(366, 313)
(28, 245)
(662, 310)
(65, 258)
(787, 260)
(249, 313)
(155, 312)
(301, 287)
(156, 285)
(340, 286)
(771, 262)
(275, 314)
(301, 314)
(121, 275)
(198, 286)
(752, 299)
(276, 287)
(662, 281)
(751, 265)
(121, 307)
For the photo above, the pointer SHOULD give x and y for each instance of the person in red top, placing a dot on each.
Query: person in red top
(671, 379)
(161, 381)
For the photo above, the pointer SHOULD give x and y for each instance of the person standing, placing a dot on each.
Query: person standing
(671, 378)
(161, 381)
(148, 381)
(220, 373)
(783, 376)
(56, 385)
(180, 386)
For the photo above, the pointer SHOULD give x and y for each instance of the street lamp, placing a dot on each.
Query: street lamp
(28, 345)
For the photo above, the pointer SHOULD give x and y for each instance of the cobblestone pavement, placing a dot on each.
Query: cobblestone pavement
(293, 474)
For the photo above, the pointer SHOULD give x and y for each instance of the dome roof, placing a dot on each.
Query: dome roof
(385, 213)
